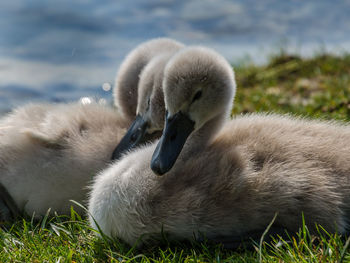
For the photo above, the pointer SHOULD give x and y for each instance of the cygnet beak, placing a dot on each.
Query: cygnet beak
(136, 135)
(177, 129)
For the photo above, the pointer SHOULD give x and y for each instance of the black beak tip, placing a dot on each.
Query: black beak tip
(157, 167)
(136, 135)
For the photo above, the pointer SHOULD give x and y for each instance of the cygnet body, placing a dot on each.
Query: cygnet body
(49, 153)
(223, 179)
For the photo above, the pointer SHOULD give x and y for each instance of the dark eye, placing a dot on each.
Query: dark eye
(197, 96)
(149, 101)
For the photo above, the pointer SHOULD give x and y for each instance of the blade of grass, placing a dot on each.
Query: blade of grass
(264, 234)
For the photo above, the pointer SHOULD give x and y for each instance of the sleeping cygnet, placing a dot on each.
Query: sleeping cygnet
(224, 180)
(49, 153)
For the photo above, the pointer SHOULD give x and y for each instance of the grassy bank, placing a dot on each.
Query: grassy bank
(318, 87)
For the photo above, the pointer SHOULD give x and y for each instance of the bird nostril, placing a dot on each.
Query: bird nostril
(133, 137)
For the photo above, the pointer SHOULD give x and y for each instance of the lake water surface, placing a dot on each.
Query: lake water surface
(58, 51)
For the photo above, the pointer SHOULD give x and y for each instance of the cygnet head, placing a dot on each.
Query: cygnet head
(199, 87)
(149, 121)
(150, 104)
(127, 79)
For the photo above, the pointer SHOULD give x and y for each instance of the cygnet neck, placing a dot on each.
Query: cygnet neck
(199, 139)
(126, 92)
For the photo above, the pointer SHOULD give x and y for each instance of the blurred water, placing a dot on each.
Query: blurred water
(63, 50)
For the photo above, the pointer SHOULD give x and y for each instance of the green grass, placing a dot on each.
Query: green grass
(72, 240)
(318, 87)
